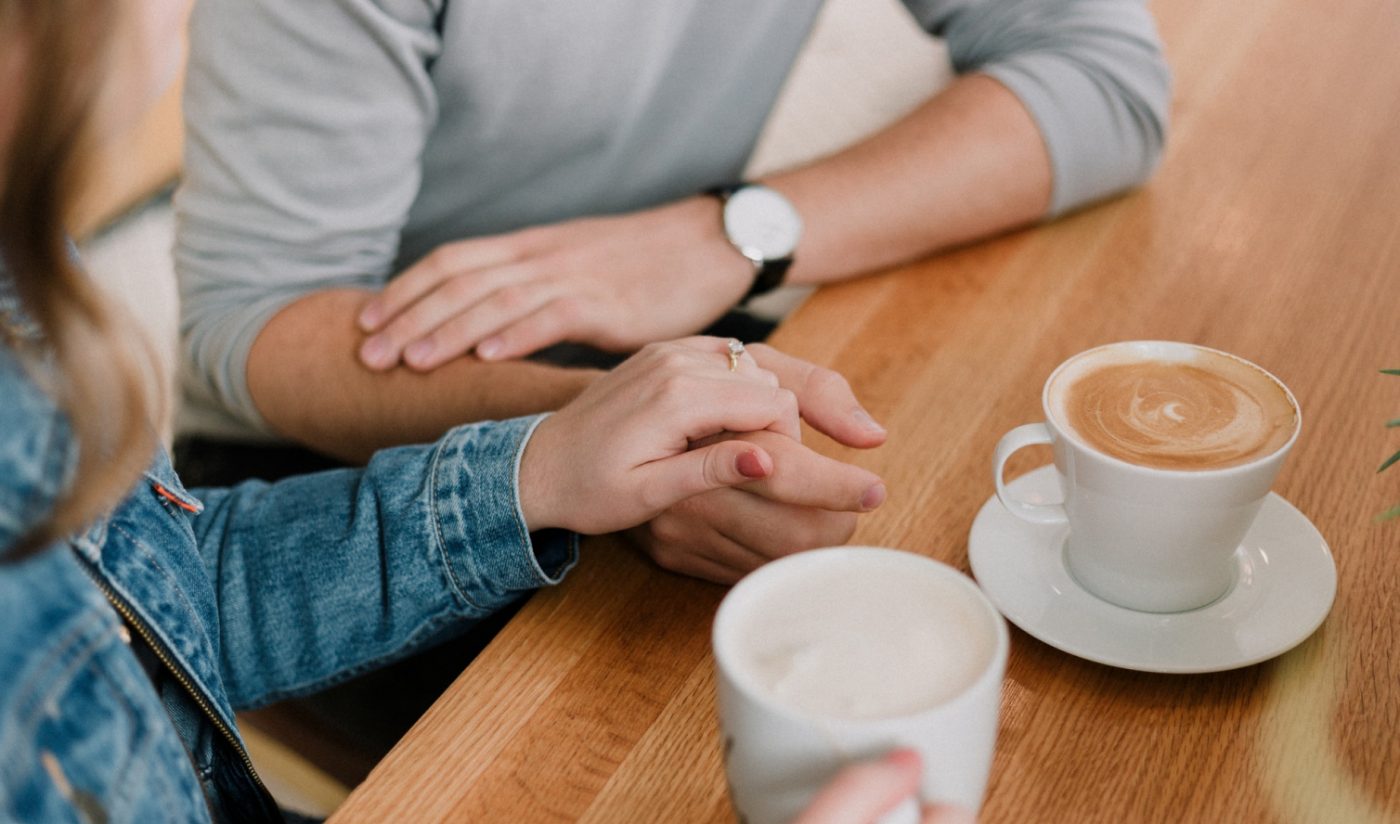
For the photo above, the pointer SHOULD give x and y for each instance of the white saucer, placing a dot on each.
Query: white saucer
(1285, 587)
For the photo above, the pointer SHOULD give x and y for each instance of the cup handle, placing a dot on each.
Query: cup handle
(1019, 438)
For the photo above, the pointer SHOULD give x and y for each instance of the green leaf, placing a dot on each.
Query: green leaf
(1389, 514)
(1393, 422)
(1390, 371)
(1388, 461)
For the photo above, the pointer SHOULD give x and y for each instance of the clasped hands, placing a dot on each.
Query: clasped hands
(705, 463)
(617, 283)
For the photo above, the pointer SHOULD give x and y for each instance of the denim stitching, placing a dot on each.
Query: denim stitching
(145, 726)
(521, 534)
(83, 650)
(148, 556)
(456, 583)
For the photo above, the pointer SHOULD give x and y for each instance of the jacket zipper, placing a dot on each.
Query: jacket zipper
(158, 648)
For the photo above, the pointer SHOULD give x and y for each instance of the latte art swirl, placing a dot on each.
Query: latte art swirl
(1179, 414)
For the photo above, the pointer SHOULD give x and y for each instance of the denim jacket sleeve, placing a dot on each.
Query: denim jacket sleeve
(324, 576)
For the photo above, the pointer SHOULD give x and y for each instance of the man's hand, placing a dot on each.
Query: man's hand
(615, 283)
(808, 501)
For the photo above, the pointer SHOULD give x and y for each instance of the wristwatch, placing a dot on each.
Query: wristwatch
(764, 227)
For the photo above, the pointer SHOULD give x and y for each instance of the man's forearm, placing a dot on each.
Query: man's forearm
(968, 163)
(307, 382)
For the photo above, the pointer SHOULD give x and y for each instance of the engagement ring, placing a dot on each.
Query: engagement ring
(736, 350)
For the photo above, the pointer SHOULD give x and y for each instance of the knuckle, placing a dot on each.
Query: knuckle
(841, 527)
(667, 530)
(821, 532)
(668, 556)
(823, 528)
(824, 380)
(672, 358)
(456, 289)
(441, 261)
(568, 310)
(535, 327)
(650, 353)
(786, 400)
(713, 468)
(675, 388)
(512, 298)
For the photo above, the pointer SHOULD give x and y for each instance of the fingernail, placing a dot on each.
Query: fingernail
(417, 353)
(488, 349)
(751, 466)
(375, 351)
(369, 316)
(863, 418)
(873, 497)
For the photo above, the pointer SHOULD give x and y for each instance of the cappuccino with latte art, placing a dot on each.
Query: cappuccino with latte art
(1199, 409)
(1165, 452)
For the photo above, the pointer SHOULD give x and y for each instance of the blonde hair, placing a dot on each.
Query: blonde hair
(100, 372)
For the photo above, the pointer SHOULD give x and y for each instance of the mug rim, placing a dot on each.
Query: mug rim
(1068, 433)
(727, 668)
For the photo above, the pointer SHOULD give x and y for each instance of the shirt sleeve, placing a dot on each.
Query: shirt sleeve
(321, 577)
(1090, 72)
(305, 122)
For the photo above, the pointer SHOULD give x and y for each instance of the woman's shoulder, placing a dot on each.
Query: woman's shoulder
(36, 455)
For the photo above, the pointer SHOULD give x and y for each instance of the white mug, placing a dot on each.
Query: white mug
(778, 757)
(1145, 538)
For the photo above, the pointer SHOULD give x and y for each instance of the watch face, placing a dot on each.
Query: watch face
(762, 223)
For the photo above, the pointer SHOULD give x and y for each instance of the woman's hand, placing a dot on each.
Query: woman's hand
(861, 793)
(808, 501)
(621, 452)
(615, 283)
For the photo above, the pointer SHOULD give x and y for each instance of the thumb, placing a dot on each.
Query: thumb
(728, 463)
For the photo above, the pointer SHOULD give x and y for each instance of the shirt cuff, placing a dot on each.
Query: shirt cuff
(480, 522)
(1098, 131)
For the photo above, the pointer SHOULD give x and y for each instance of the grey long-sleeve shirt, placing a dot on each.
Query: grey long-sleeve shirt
(332, 142)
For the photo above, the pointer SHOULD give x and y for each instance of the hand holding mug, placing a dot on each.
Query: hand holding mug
(867, 792)
(834, 657)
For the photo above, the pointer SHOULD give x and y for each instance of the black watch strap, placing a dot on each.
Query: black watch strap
(768, 274)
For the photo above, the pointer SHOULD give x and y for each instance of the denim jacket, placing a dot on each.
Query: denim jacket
(239, 597)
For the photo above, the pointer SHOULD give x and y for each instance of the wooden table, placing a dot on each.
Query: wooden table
(1272, 231)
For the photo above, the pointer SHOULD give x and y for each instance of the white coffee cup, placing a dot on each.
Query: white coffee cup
(779, 750)
(1147, 538)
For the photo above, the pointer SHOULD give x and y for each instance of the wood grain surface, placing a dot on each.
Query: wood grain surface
(1273, 231)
